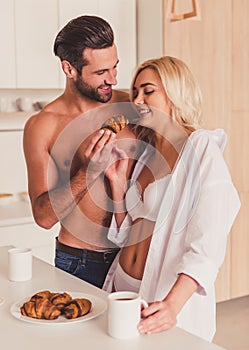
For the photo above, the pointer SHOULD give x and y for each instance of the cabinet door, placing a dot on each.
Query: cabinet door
(36, 27)
(13, 169)
(74, 8)
(7, 44)
(122, 17)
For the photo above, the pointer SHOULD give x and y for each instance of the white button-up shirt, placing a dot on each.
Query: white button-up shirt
(190, 235)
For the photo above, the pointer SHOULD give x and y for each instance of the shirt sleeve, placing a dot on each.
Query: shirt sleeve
(119, 235)
(207, 232)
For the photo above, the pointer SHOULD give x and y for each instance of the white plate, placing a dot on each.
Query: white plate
(98, 307)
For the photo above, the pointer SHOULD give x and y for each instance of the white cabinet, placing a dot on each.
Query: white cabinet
(32, 236)
(28, 29)
(74, 8)
(36, 25)
(13, 177)
(123, 21)
(7, 44)
(17, 226)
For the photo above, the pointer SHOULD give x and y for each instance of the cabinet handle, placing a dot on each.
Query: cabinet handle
(173, 16)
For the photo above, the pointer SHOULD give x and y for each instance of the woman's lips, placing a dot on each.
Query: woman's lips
(144, 112)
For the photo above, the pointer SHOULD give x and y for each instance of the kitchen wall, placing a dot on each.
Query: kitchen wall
(216, 48)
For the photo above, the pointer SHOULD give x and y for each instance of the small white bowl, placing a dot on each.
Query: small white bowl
(6, 198)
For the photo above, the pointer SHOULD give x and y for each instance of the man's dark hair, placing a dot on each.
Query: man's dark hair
(81, 33)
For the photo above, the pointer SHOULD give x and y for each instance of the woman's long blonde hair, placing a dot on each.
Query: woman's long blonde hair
(180, 86)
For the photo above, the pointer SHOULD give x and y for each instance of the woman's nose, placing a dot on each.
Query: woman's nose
(138, 100)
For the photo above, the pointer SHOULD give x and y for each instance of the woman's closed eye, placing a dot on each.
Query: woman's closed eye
(148, 92)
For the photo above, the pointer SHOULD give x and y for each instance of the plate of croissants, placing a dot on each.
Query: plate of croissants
(58, 307)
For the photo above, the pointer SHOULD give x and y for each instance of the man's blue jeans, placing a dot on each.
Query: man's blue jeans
(90, 270)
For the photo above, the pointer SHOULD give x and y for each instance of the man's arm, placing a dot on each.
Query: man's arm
(51, 200)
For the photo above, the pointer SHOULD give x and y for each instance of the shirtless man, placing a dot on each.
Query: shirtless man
(59, 184)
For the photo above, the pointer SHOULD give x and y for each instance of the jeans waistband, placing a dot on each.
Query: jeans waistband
(104, 256)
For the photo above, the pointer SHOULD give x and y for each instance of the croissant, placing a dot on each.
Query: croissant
(50, 311)
(116, 124)
(28, 309)
(43, 294)
(60, 299)
(41, 308)
(77, 307)
(49, 306)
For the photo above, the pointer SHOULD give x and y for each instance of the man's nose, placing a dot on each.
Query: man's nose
(111, 78)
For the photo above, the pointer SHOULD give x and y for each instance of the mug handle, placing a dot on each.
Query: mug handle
(144, 303)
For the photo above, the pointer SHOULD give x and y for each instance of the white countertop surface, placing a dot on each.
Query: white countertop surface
(92, 334)
(18, 212)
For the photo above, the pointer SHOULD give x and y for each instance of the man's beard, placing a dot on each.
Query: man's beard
(86, 90)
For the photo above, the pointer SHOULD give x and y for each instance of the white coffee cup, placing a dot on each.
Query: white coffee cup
(124, 313)
(24, 104)
(3, 104)
(20, 264)
(7, 104)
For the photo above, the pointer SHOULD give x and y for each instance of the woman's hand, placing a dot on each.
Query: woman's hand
(117, 174)
(117, 169)
(159, 316)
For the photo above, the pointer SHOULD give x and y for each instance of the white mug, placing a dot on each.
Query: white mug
(124, 312)
(3, 104)
(19, 264)
(24, 104)
(7, 104)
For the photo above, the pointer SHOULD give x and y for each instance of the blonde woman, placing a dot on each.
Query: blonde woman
(176, 213)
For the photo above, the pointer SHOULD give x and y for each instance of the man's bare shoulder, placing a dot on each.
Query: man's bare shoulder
(120, 96)
(44, 126)
(49, 117)
(40, 120)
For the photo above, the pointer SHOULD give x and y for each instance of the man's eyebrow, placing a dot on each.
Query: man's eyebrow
(105, 69)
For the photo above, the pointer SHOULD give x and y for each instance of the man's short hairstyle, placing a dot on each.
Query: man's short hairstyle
(81, 33)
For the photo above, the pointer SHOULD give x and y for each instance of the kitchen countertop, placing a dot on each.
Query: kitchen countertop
(91, 334)
(18, 212)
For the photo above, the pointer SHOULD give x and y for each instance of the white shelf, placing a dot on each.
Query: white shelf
(14, 121)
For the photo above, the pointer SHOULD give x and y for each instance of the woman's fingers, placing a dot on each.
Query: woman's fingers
(157, 317)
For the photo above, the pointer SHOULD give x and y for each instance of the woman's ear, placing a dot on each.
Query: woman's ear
(68, 69)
